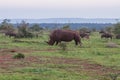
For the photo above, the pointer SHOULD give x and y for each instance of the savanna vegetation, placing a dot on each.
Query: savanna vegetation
(31, 58)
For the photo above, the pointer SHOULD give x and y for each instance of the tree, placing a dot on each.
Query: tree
(109, 29)
(36, 27)
(23, 28)
(117, 28)
(66, 27)
(7, 26)
(84, 29)
(93, 29)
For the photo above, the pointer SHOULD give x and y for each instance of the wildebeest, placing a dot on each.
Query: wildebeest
(106, 35)
(20, 35)
(118, 36)
(84, 35)
(10, 34)
(64, 35)
(102, 31)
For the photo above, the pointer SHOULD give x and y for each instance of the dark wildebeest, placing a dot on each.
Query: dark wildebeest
(10, 34)
(106, 35)
(102, 31)
(84, 35)
(118, 36)
(64, 35)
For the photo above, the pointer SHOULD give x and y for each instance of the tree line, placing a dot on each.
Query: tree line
(24, 29)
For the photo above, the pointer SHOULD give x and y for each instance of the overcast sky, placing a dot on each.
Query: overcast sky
(59, 9)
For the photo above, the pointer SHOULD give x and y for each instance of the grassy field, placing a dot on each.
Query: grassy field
(92, 61)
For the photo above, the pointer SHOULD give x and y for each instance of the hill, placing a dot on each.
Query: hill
(74, 23)
(67, 20)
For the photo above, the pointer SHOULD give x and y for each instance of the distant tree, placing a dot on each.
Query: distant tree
(93, 30)
(66, 27)
(117, 28)
(109, 29)
(7, 26)
(36, 27)
(46, 28)
(84, 29)
(23, 27)
(55, 25)
(23, 30)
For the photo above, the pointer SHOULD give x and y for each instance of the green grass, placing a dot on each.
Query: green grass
(93, 50)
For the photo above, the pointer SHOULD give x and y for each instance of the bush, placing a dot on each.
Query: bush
(114, 76)
(7, 26)
(23, 31)
(63, 46)
(19, 56)
(117, 28)
(67, 27)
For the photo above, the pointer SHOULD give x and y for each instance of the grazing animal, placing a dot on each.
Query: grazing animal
(84, 35)
(118, 36)
(64, 35)
(106, 35)
(101, 32)
(10, 34)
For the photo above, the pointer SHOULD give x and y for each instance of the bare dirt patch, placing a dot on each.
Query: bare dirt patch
(83, 65)
(72, 64)
(17, 50)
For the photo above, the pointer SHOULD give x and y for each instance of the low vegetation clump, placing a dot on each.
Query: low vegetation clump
(63, 46)
(114, 76)
(19, 56)
(112, 45)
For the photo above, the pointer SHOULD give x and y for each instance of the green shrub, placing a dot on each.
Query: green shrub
(19, 56)
(114, 76)
(63, 46)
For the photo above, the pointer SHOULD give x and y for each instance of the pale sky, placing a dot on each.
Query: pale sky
(59, 9)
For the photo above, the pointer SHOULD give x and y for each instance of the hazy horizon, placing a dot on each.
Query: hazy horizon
(42, 9)
(66, 20)
(63, 18)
